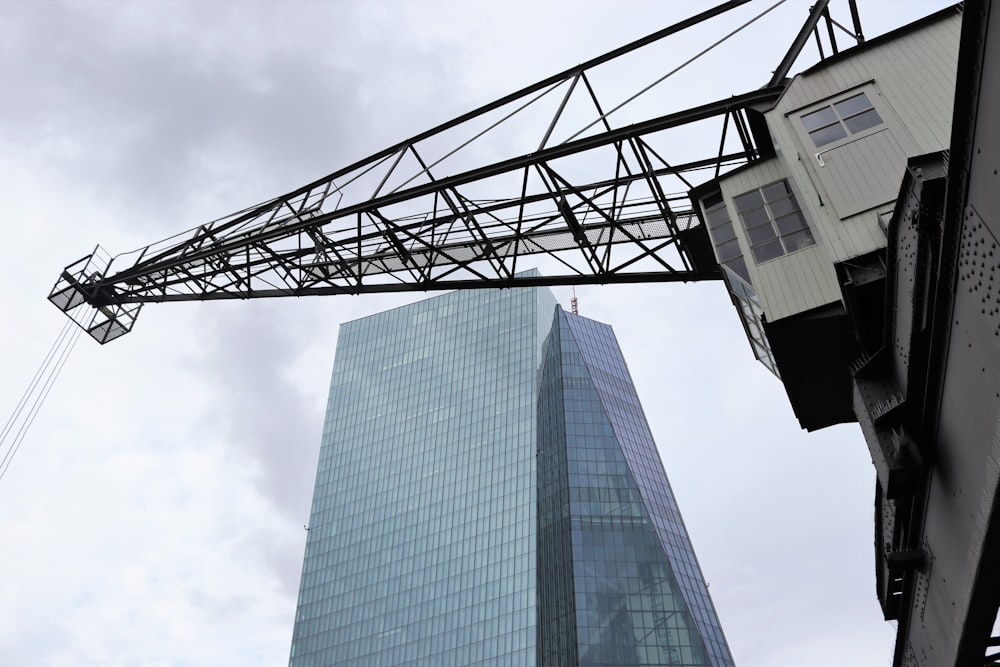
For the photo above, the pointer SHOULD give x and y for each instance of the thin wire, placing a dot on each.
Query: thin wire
(40, 398)
(34, 381)
(675, 70)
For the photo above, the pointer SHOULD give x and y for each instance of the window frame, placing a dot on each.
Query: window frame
(739, 286)
(869, 88)
(777, 234)
(840, 120)
(736, 262)
(841, 183)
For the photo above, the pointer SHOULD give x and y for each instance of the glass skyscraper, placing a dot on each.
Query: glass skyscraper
(488, 493)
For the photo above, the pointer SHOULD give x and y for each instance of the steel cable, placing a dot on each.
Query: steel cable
(36, 393)
(31, 386)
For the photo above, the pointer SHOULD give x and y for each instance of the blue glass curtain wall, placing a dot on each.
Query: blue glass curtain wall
(488, 493)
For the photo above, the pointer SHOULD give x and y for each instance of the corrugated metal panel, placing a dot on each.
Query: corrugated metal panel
(863, 169)
(920, 82)
(914, 77)
(844, 239)
(798, 282)
(795, 282)
(861, 174)
(916, 73)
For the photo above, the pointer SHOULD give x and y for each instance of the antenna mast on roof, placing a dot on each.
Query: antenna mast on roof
(573, 303)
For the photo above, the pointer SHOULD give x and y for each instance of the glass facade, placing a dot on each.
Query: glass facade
(488, 493)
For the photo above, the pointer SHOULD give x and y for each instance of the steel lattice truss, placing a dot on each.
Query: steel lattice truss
(446, 209)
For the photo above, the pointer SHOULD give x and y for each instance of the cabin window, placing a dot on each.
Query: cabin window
(773, 221)
(727, 248)
(737, 277)
(859, 146)
(841, 119)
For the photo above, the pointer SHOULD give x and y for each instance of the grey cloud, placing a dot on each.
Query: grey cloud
(160, 113)
(248, 353)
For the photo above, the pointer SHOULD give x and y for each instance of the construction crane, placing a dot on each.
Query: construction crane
(611, 202)
(607, 202)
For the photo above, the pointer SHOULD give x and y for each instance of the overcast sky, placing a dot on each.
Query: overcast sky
(154, 514)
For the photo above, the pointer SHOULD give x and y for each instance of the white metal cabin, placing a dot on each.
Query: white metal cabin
(810, 216)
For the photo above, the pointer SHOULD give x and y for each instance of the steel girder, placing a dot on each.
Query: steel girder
(601, 202)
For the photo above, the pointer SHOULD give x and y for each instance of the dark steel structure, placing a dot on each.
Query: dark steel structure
(609, 204)
(928, 394)
(605, 202)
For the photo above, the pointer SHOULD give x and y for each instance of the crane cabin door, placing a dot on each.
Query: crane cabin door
(859, 149)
